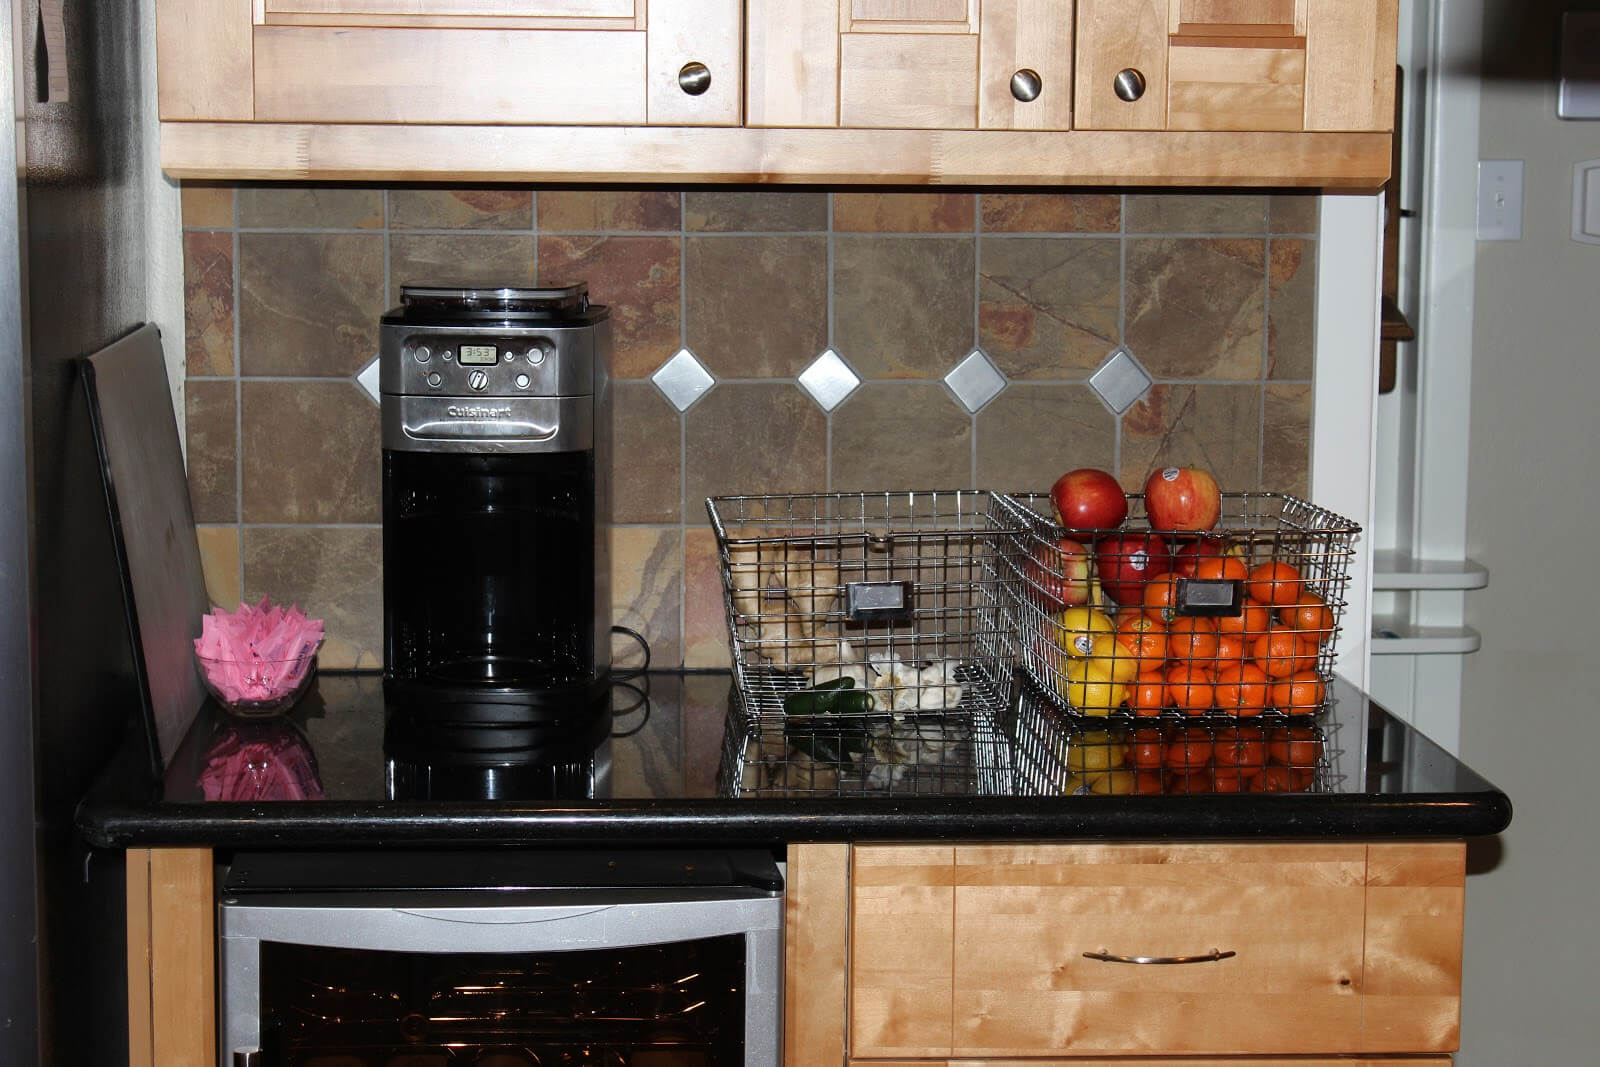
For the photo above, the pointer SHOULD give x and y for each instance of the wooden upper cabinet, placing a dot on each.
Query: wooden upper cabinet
(1248, 65)
(910, 64)
(598, 62)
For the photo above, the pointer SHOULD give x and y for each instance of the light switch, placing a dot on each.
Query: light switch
(1499, 199)
(1579, 96)
(1586, 201)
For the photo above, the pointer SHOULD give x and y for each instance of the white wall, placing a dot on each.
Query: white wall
(1530, 709)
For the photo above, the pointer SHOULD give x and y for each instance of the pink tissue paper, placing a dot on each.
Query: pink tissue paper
(258, 653)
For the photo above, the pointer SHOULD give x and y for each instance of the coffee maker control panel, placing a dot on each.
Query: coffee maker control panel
(466, 362)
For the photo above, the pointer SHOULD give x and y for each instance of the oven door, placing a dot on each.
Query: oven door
(620, 977)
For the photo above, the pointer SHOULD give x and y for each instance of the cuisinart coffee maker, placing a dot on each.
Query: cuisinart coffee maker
(496, 572)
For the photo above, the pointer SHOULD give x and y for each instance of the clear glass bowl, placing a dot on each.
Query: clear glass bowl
(257, 688)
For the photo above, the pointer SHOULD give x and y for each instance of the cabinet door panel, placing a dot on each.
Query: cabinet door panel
(204, 60)
(1350, 65)
(312, 74)
(1114, 35)
(910, 10)
(598, 9)
(694, 31)
(1235, 85)
(915, 81)
(1031, 35)
(901, 929)
(792, 63)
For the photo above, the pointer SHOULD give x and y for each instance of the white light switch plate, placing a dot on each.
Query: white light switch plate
(1586, 201)
(1499, 199)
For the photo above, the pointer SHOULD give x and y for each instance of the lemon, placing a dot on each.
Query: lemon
(1088, 694)
(1095, 750)
(1076, 628)
(1109, 661)
(1118, 780)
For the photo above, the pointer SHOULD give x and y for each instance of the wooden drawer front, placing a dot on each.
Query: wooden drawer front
(1293, 915)
(481, 13)
(910, 81)
(1235, 85)
(978, 951)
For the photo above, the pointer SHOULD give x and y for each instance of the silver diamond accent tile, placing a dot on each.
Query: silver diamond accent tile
(1120, 381)
(975, 381)
(683, 379)
(368, 380)
(829, 380)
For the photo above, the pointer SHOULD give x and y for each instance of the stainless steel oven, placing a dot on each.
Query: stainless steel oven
(501, 959)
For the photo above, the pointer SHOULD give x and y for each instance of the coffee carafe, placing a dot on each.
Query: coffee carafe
(496, 490)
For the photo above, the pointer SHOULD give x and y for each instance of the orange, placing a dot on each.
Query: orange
(1282, 652)
(1223, 568)
(1191, 637)
(1298, 747)
(1146, 747)
(1144, 637)
(1148, 694)
(1188, 749)
(1242, 690)
(1195, 781)
(1229, 780)
(1161, 598)
(1242, 749)
(1253, 619)
(1301, 693)
(1310, 615)
(1148, 781)
(1274, 583)
(1232, 650)
(1189, 687)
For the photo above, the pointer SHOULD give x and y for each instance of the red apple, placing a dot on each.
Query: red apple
(1089, 499)
(1127, 561)
(1059, 574)
(1182, 498)
(1189, 554)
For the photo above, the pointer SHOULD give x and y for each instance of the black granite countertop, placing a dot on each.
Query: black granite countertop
(655, 781)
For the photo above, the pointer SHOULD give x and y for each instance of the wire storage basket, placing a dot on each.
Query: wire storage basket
(873, 644)
(1190, 644)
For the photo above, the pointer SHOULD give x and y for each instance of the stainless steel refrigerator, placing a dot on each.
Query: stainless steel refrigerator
(72, 279)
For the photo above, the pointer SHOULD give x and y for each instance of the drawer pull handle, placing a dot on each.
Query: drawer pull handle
(694, 78)
(1210, 957)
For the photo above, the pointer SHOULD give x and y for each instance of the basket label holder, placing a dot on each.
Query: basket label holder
(878, 601)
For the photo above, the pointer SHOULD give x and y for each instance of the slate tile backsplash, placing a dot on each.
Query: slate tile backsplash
(284, 284)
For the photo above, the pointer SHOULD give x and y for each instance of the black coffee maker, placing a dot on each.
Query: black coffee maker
(496, 570)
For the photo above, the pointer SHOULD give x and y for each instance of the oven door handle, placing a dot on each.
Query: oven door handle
(502, 916)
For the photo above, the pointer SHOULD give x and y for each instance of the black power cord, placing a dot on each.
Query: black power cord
(637, 681)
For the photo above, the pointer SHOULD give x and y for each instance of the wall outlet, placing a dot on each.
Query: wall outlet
(1499, 199)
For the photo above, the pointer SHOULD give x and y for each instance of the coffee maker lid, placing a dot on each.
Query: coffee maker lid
(469, 297)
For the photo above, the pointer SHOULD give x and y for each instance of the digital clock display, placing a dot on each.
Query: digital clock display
(479, 355)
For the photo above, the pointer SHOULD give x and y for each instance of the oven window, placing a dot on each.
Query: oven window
(673, 1005)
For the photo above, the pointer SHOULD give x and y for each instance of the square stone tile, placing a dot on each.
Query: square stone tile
(219, 562)
(1050, 212)
(445, 257)
(646, 468)
(754, 211)
(609, 210)
(309, 303)
(757, 306)
(1286, 440)
(638, 278)
(311, 453)
(903, 212)
(310, 207)
(1291, 308)
(211, 433)
(647, 588)
(1048, 307)
(1196, 307)
(901, 435)
(1189, 213)
(705, 617)
(333, 574)
(461, 209)
(208, 302)
(206, 205)
(1295, 213)
(1032, 434)
(753, 437)
(903, 306)
(1217, 427)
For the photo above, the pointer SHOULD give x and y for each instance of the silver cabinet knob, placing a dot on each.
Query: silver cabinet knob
(1026, 85)
(694, 78)
(1129, 84)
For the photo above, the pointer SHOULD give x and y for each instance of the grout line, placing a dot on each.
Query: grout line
(1266, 351)
(683, 435)
(238, 398)
(827, 416)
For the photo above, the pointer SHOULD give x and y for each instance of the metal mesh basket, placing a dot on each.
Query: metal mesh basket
(873, 646)
(1218, 644)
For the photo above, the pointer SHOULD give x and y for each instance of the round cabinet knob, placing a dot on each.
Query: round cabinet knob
(1129, 84)
(1026, 85)
(694, 78)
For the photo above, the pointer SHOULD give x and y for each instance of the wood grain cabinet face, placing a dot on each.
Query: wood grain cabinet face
(1249, 65)
(910, 64)
(979, 951)
(596, 62)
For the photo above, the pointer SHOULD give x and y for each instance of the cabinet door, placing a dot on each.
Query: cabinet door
(910, 64)
(1249, 65)
(613, 62)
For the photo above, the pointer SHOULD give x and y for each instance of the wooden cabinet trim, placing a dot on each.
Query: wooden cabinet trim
(815, 955)
(171, 958)
(206, 60)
